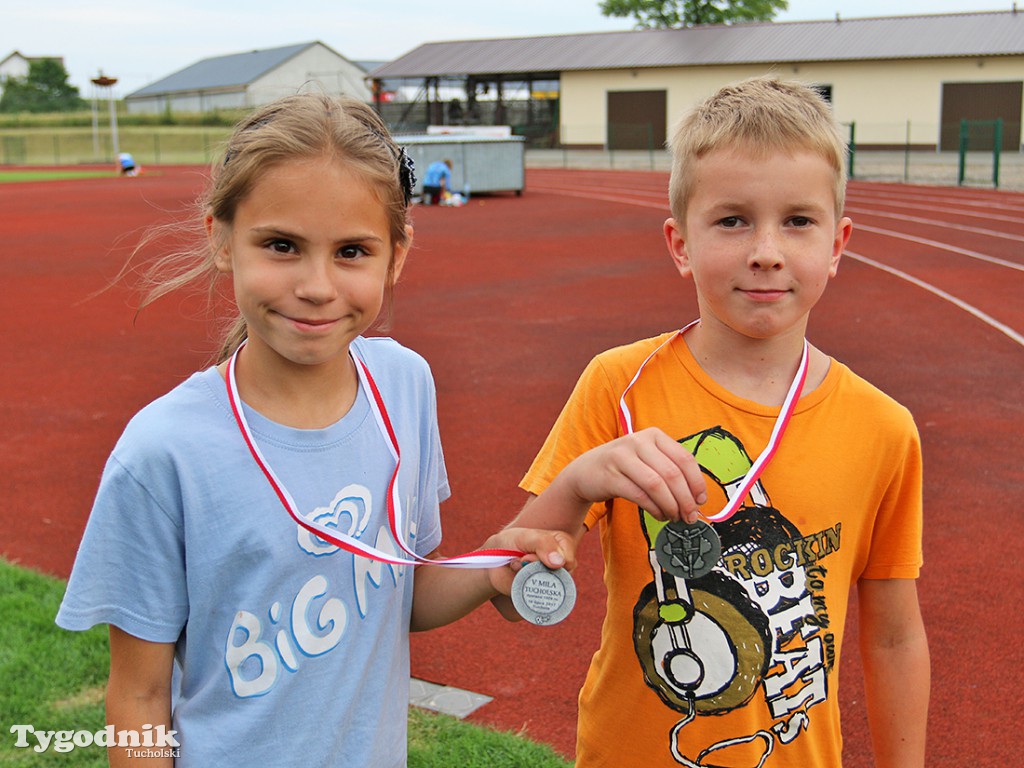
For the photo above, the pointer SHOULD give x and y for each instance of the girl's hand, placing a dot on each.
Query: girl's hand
(648, 468)
(556, 549)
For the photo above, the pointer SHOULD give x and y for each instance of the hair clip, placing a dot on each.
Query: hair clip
(252, 126)
(406, 174)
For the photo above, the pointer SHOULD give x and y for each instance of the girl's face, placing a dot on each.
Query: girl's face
(309, 254)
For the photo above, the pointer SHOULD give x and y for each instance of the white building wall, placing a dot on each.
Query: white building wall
(187, 101)
(14, 65)
(316, 67)
(883, 98)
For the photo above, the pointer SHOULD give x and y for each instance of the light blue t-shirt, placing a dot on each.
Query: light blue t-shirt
(289, 652)
(437, 172)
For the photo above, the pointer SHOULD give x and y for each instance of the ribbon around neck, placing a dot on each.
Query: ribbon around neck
(482, 558)
(781, 422)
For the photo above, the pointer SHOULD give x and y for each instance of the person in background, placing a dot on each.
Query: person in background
(127, 164)
(437, 181)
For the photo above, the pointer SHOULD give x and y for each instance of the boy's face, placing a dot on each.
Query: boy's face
(760, 238)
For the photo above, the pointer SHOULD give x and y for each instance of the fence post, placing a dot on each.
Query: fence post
(851, 150)
(650, 145)
(961, 165)
(996, 150)
(906, 156)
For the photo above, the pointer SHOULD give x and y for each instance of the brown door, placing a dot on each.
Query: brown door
(981, 101)
(636, 119)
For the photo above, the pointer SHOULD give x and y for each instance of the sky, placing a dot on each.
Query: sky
(140, 41)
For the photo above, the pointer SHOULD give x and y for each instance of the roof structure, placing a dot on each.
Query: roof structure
(233, 70)
(996, 33)
(20, 55)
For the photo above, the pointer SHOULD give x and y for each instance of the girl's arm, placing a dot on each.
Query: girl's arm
(897, 673)
(138, 692)
(442, 595)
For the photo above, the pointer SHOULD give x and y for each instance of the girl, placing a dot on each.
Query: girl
(250, 541)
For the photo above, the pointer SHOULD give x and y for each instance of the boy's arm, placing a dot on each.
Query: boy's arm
(648, 468)
(138, 692)
(897, 673)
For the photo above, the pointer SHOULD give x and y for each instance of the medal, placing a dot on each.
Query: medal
(543, 596)
(689, 550)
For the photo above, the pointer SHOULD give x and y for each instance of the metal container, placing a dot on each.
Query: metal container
(479, 163)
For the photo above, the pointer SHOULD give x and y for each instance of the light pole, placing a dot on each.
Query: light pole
(108, 82)
(95, 128)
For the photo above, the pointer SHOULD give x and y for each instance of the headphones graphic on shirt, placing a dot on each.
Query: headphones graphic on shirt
(704, 645)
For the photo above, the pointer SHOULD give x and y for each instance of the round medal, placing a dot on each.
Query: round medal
(543, 596)
(688, 550)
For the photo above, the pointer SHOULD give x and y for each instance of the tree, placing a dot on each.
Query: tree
(668, 14)
(44, 89)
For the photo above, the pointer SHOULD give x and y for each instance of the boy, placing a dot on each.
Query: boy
(739, 666)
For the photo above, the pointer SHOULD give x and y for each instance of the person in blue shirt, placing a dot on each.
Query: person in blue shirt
(436, 181)
(127, 164)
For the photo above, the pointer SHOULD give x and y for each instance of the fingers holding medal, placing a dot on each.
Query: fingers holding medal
(687, 550)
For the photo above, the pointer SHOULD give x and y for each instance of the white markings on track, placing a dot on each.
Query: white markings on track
(942, 246)
(969, 308)
(585, 193)
(1013, 335)
(942, 224)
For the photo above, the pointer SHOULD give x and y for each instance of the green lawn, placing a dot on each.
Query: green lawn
(30, 174)
(54, 681)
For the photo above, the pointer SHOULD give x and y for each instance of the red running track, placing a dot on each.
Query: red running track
(508, 298)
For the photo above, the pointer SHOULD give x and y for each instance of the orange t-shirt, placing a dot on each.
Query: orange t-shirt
(739, 667)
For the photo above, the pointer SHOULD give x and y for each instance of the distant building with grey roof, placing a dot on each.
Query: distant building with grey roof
(900, 80)
(248, 79)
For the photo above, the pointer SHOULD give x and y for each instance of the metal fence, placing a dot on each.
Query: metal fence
(76, 146)
(913, 161)
(910, 167)
(912, 153)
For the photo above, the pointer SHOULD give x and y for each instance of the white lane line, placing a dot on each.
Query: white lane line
(934, 223)
(578, 192)
(969, 308)
(941, 246)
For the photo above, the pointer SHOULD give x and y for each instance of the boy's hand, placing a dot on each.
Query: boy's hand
(648, 468)
(555, 548)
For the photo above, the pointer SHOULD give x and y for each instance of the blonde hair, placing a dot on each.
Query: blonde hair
(762, 114)
(300, 126)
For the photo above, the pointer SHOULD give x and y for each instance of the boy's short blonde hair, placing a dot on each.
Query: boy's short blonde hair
(762, 114)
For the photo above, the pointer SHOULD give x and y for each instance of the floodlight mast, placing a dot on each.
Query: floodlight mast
(103, 81)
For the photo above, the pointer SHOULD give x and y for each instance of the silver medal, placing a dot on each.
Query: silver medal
(689, 550)
(543, 596)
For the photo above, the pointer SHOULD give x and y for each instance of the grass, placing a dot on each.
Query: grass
(54, 680)
(13, 177)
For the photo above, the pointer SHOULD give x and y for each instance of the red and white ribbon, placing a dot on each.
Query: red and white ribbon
(781, 422)
(483, 558)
